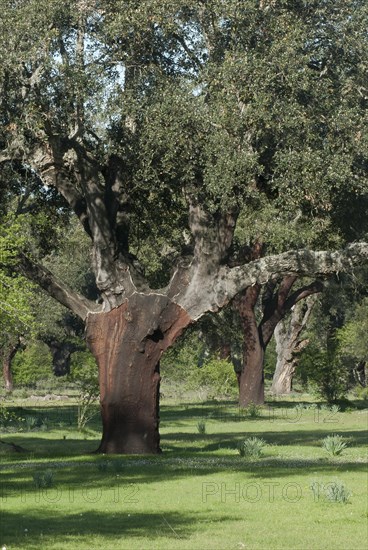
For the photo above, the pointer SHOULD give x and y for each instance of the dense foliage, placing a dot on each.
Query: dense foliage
(257, 105)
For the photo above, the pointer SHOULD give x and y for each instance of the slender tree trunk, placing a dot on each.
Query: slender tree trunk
(8, 356)
(127, 343)
(360, 373)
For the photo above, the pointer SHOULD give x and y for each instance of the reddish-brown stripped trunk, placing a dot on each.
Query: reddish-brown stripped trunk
(127, 343)
(250, 378)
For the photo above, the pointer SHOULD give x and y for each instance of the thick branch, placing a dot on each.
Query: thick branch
(273, 301)
(301, 293)
(51, 165)
(201, 292)
(68, 167)
(295, 262)
(117, 203)
(284, 290)
(69, 298)
(283, 303)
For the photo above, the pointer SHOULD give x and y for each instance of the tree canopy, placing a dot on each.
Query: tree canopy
(246, 106)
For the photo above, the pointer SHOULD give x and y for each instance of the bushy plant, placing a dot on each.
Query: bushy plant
(334, 444)
(217, 377)
(362, 393)
(44, 426)
(191, 364)
(253, 410)
(30, 422)
(43, 480)
(31, 365)
(353, 336)
(337, 492)
(327, 375)
(180, 361)
(334, 491)
(84, 374)
(201, 426)
(251, 447)
(8, 419)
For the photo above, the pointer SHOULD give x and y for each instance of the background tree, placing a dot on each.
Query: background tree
(16, 311)
(28, 222)
(352, 339)
(326, 363)
(290, 341)
(182, 122)
(278, 299)
(59, 328)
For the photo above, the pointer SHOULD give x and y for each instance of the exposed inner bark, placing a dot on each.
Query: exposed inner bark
(250, 378)
(285, 368)
(127, 343)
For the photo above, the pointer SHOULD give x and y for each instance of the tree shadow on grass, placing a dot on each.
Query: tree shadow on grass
(86, 482)
(276, 467)
(45, 447)
(197, 442)
(178, 443)
(34, 527)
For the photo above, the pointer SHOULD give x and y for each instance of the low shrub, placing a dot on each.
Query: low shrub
(9, 419)
(43, 480)
(334, 444)
(253, 410)
(251, 447)
(337, 492)
(31, 422)
(201, 427)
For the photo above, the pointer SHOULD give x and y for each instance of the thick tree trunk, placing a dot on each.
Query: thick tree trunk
(286, 362)
(256, 338)
(289, 345)
(250, 378)
(128, 342)
(8, 356)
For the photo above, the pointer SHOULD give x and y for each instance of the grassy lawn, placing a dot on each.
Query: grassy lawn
(199, 494)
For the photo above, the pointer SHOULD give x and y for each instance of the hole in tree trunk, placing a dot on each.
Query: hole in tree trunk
(156, 336)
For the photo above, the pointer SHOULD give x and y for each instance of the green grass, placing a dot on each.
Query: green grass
(199, 494)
